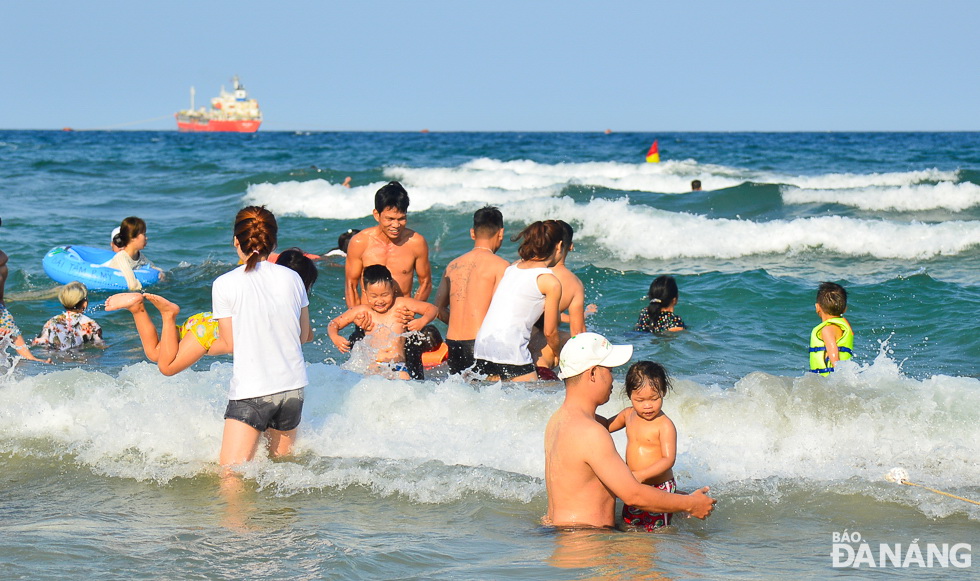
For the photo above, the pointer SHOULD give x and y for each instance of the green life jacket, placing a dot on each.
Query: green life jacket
(818, 351)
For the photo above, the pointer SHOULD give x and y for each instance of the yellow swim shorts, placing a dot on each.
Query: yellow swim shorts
(203, 327)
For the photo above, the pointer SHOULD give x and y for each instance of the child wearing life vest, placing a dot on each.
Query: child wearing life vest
(832, 340)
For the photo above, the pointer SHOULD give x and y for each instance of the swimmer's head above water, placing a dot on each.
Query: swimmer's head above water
(379, 287)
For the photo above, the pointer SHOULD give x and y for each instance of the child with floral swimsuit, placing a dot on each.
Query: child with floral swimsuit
(658, 316)
(651, 447)
(71, 328)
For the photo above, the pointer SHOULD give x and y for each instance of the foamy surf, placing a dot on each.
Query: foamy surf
(440, 440)
(905, 198)
(614, 225)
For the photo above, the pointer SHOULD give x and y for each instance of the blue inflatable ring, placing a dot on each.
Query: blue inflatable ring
(85, 264)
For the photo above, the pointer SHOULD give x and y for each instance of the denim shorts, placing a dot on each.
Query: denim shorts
(279, 411)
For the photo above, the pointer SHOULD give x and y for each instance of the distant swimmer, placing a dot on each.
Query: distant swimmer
(833, 339)
(343, 241)
(346, 183)
(658, 316)
(384, 329)
(467, 287)
(696, 186)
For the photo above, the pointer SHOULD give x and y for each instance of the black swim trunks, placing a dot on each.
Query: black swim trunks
(504, 371)
(460, 355)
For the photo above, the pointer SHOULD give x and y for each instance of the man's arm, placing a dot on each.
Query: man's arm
(576, 312)
(353, 268)
(550, 287)
(442, 296)
(423, 269)
(602, 457)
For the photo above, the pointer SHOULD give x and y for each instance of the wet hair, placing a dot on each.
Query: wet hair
(540, 240)
(487, 221)
(257, 234)
(73, 296)
(377, 273)
(129, 229)
(663, 290)
(294, 259)
(566, 236)
(647, 373)
(696, 185)
(431, 338)
(391, 195)
(832, 298)
(343, 241)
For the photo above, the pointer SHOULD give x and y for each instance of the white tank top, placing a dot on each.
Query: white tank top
(516, 305)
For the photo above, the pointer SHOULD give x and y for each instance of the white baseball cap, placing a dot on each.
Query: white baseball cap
(587, 350)
(112, 236)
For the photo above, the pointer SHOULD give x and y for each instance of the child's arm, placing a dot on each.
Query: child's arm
(333, 329)
(21, 347)
(617, 422)
(668, 451)
(830, 335)
(427, 312)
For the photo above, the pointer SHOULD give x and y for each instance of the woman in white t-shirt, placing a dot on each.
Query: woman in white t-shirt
(263, 318)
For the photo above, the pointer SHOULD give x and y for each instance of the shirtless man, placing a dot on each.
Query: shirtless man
(467, 287)
(405, 252)
(584, 474)
(572, 302)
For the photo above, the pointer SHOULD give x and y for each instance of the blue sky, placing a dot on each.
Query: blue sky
(699, 65)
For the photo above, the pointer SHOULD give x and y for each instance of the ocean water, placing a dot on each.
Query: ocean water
(107, 468)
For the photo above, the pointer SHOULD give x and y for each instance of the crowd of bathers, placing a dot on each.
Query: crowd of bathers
(503, 323)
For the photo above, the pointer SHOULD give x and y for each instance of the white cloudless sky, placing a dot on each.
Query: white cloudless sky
(507, 65)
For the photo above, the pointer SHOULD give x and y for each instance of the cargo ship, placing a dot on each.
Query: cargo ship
(230, 112)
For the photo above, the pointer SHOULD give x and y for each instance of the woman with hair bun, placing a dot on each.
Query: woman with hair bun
(263, 318)
(527, 290)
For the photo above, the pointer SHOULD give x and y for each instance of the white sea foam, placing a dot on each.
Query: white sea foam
(438, 440)
(905, 198)
(666, 177)
(849, 181)
(630, 231)
(498, 182)
(322, 199)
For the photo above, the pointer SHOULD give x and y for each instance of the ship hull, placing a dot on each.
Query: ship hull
(214, 125)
